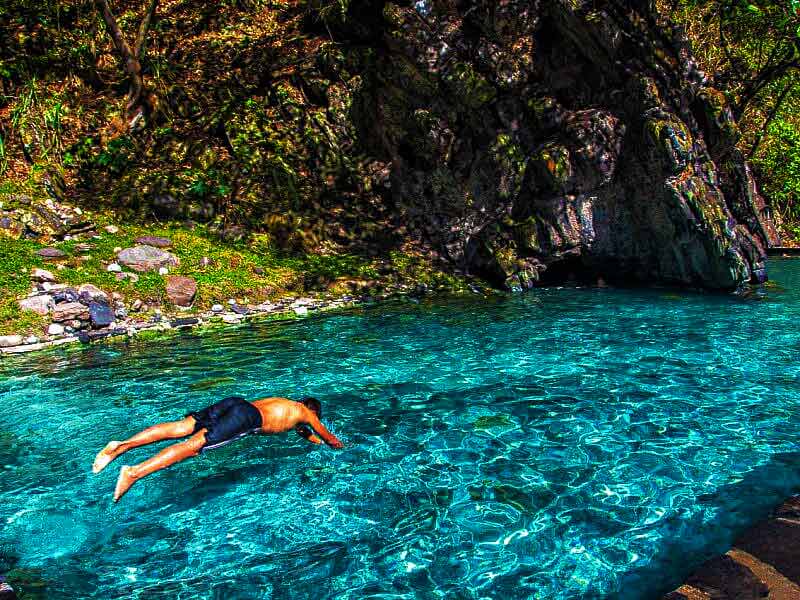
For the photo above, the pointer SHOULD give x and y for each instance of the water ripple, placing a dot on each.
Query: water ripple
(561, 444)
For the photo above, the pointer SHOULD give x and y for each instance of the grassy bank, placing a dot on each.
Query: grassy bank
(250, 271)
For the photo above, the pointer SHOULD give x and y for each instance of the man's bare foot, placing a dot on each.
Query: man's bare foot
(105, 456)
(124, 482)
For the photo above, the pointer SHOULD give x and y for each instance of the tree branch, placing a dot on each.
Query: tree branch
(130, 58)
(144, 27)
(770, 117)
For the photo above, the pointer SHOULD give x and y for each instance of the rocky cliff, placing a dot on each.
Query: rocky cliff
(538, 140)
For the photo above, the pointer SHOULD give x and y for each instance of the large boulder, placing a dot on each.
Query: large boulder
(181, 290)
(144, 258)
(541, 140)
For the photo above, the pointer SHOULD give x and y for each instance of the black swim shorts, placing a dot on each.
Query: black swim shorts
(226, 421)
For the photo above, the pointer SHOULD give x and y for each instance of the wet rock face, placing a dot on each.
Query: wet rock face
(530, 141)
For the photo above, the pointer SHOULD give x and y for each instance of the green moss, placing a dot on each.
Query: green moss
(553, 161)
(468, 86)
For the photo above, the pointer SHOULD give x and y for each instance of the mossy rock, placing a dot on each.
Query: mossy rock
(672, 141)
(553, 164)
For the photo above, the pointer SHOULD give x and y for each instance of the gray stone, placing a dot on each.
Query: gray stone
(132, 277)
(39, 304)
(217, 308)
(93, 292)
(231, 319)
(181, 290)
(42, 275)
(146, 258)
(69, 311)
(31, 339)
(300, 311)
(55, 329)
(6, 341)
(101, 315)
(155, 241)
(66, 295)
(112, 229)
(51, 253)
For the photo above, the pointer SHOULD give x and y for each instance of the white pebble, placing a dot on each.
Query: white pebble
(55, 329)
(217, 308)
(111, 229)
(113, 268)
(163, 271)
(301, 311)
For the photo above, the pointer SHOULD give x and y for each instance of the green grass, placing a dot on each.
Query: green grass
(252, 270)
(16, 260)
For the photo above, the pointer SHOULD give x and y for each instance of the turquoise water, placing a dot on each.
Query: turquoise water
(565, 443)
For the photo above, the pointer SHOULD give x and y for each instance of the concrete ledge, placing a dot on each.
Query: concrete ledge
(764, 563)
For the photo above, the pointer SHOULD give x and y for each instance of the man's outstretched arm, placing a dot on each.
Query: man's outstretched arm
(304, 431)
(326, 435)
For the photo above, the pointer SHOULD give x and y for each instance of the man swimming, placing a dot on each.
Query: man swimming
(215, 426)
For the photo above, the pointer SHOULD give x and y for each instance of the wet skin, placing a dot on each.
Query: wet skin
(277, 416)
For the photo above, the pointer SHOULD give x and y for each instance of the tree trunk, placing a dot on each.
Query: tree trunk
(130, 58)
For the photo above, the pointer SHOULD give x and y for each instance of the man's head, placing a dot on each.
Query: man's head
(313, 404)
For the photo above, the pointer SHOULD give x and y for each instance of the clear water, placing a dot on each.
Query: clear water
(558, 444)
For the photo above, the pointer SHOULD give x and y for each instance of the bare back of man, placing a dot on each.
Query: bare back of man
(215, 426)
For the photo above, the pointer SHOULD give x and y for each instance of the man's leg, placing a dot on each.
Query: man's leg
(156, 433)
(167, 457)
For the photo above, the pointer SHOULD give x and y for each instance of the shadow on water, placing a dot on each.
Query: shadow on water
(736, 507)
